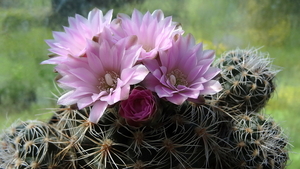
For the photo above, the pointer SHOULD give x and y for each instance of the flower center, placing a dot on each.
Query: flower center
(176, 77)
(108, 81)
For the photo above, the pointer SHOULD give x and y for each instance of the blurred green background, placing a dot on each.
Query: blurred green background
(27, 90)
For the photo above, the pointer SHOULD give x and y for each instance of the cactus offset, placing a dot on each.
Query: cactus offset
(258, 142)
(28, 145)
(247, 78)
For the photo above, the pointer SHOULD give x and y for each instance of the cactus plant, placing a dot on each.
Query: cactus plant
(141, 102)
(258, 142)
(247, 78)
(184, 136)
(28, 145)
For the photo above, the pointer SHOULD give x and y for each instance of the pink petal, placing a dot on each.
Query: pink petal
(208, 54)
(176, 99)
(66, 99)
(211, 87)
(137, 17)
(162, 91)
(150, 82)
(211, 72)
(134, 75)
(84, 102)
(108, 15)
(194, 73)
(158, 14)
(97, 111)
(85, 75)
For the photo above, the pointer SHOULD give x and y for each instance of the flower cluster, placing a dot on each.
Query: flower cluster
(131, 61)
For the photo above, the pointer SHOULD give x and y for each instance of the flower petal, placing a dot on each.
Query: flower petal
(97, 111)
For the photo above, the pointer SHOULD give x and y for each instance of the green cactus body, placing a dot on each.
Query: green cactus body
(247, 78)
(185, 136)
(28, 145)
(258, 142)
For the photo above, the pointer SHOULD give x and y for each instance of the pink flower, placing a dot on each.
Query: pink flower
(139, 107)
(73, 42)
(154, 31)
(182, 72)
(103, 77)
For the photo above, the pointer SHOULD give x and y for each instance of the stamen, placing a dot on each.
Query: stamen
(108, 79)
(176, 77)
(173, 80)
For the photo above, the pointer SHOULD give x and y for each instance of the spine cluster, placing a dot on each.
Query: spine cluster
(228, 131)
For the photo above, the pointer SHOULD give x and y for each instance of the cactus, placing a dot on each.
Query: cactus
(247, 78)
(128, 123)
(28, 145)
(257, 142)
(184, 136)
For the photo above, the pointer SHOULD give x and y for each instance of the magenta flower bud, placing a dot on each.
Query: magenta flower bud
(139, 107)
